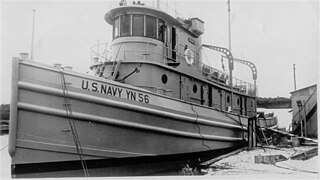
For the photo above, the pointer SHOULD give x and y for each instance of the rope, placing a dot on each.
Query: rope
(241, 126)
(72, 124)
(259, 140)
(295, 169)
(4, 147)
(196, 123)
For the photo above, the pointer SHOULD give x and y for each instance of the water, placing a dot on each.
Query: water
(284, 118)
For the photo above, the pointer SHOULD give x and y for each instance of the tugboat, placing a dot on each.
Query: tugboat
(151, 97)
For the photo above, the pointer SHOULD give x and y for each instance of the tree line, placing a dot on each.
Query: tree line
(274, 103)
(5, 111)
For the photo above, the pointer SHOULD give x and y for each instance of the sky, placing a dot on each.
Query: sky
(273, 35)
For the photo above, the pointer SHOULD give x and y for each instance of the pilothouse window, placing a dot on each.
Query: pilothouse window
(150, 27)
(161, 30)
(116, 27)
(138, 25)
(125, 25)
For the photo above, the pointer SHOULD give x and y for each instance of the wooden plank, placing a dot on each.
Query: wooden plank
(211, 161)
(306, 155)
(292, 135)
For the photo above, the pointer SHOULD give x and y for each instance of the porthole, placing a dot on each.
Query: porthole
(164, 78)
(228, 99)
(195, 88)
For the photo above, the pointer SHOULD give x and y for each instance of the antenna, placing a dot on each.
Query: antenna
(32, 39)
(294, 76)
(229, 23)
(98, 47)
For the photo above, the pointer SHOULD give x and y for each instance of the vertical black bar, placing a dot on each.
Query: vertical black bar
(173, 36)
(201, 95)
(210, 96)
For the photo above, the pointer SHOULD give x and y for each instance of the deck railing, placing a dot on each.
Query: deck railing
(100, 56)
(172, 7)
(210, 73)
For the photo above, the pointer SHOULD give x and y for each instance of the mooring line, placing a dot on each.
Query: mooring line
(196, 122)
(294, 169)
(242, 132)
(4, 147)
(72, 125)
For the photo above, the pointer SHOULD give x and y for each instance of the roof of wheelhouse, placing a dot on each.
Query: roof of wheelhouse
(131, 9)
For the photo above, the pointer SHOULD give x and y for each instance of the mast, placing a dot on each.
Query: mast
(230, 69)
(294, 76)
(32, 39)
(158, 4)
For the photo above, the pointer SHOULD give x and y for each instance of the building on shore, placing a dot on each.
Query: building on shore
(304, 111)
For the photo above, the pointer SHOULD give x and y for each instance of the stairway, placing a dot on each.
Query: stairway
(307, 110)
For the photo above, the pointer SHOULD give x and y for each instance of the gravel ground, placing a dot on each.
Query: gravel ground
(243, 165)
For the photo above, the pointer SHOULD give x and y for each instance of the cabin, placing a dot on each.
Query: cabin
(304, 111)
(157, 52)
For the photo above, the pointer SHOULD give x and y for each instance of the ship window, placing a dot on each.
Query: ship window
(228, 99)
(238, 101)
(161, 30)
(164, 79)
(116, 27)
(151, 27)
(195, 88)
(125, 25)
(138, 25)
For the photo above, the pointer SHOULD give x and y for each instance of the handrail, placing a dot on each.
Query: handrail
(176, 49)
(106, 54)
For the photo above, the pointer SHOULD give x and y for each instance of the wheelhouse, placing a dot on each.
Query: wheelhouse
(157, 52)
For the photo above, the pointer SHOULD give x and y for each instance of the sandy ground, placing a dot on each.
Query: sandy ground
(243, 165)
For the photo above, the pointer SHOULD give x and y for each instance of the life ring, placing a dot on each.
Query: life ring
(189, 56)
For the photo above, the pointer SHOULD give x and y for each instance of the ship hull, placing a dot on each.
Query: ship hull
(111, 121)
(163, 165)
(269, 122)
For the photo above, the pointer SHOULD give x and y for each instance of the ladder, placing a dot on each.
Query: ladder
(308, 109)
(115, 69)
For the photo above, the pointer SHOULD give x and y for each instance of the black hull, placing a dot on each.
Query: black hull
(163, 165)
